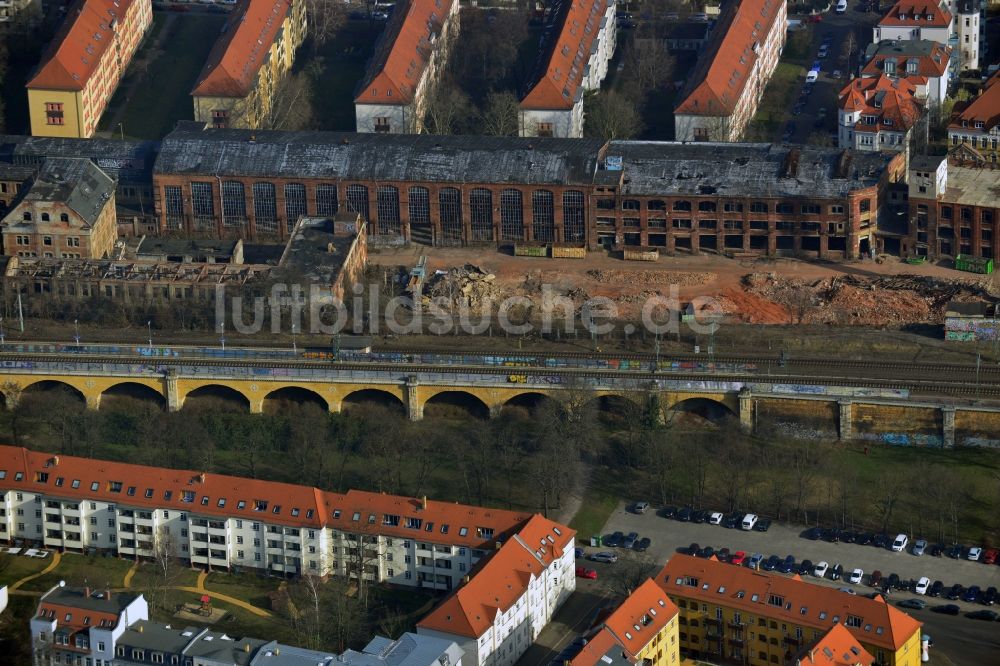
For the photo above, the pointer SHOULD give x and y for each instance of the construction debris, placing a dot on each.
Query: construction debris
(651, 278)
(466, 285)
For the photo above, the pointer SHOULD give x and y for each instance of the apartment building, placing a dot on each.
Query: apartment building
(408, 61)
(914, 59)
(496, 615)
(67, 212)
(238, 84)
(74, 624)
(408, 650)
(880, 113)
(955, 23)
(726, 86)
(974, 129)
(581, 40)
(760, 619)
(952, 209)
(83, 65)
(642, 630)
(216, 521)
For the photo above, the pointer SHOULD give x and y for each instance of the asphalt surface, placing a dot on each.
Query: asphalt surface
(823, 93)
(963, 640)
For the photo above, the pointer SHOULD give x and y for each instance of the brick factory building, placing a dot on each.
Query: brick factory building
(499, 190)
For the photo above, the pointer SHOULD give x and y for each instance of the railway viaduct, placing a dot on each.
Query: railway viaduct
(815, 410)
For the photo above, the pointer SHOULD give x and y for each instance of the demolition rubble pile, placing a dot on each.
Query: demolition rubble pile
(895, 300)
(651, 278)
(467, 286)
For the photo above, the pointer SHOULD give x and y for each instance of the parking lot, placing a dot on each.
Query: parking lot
(668, 535)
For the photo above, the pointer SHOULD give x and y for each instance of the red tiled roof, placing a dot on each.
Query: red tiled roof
(641, 616)
(286, 503)
(75, 51)
(933, 65)
(917, 13)
(500, 580)
(240, 52)
(836, 647)
(598, 646)
(561, 76)
(801, 603)
(404, 52)
(59, 612)
(717, 82)
(885, 98)
(985, 108)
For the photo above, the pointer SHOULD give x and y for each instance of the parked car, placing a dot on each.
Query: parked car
(919, 546)
(614, 540)
(856, 576)
(891, 582)
(579, 552)
(706, 552)
(814, 534)
(732, 521)
(971, 594)
(831, 535)
(749, 521)
(937, 550)
(584, 572)
(865, 538)
(990, 556)
(699, 517)
(955, 592)
(640, 507)
(723, 555)
(913, 604)
(684, 514)
(642, 545)
(846, 590)
(629, 541)
(947, 609)
(989, 597)
(693, 549)
(812, 76)
(936, 589)
(755, 560)
(955, 551)
(824, 51)
(875, 579)
(988, 615)
(788, 566)
(922, 585)
(848, 537)
(899, 543)
(841, 7)
(715, 518)
(837, 571)
(667, 512)
(974, 554)
(763, 525)
(881, 541)
(771, 563)
(806, 567)
(821, 569)
(739, 558)
(604, 556)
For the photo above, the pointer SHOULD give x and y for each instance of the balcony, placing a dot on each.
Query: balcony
(712, 622)
(431, 585)
(736, 624)
(792, 640)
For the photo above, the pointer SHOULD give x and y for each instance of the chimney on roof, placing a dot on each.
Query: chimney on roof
(423, 502)
(201, 478)
(246, 648)
(139, 628)
(86, 591)
(55, 460)
(107, 593)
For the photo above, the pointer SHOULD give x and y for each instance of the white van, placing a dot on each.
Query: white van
(749, 521)
(841, 6)
(899, 545)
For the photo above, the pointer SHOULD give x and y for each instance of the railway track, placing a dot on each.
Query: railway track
(962, 388)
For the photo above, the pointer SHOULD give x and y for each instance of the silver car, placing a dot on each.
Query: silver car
(919, 546)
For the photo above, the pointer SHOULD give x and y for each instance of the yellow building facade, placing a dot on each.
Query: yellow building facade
(84, 64)
(238, 84)
(733, 613)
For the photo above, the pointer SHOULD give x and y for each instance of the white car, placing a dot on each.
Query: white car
(715, 518)
(922, 585)
(856, 576)
(899, 545)
(824, 51)
(841, 6)
(820, 570)
(975, 553)
(812, 76)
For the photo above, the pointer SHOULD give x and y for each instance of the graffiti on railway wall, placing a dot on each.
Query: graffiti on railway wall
(839, 391)
(904, 439)
(982, 442)
(971, 330)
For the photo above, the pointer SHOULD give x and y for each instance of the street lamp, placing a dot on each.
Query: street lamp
(295, 330)
(149, 329)
(2, 343)
(76, 329)
(222, 335)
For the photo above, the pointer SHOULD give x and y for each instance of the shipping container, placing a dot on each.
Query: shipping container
(970, 264)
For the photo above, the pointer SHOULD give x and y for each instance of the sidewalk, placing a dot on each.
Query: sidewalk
(56, 559)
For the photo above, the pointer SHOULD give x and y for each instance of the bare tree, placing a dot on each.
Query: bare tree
(631, 571)
(648, 65)
(610, 116)
(447, 108)
(326, 18)
(848, 48)
(886, 494)
(500, 116)
(167, 568)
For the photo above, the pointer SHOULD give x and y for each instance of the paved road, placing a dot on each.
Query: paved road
(573, 618)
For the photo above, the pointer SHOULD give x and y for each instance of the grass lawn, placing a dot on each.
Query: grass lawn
(602, 496)
(343, 61)
(146, 576)
(76, 569)
(248, 587)
(161, 96)
(779, 97)
(15, 567)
